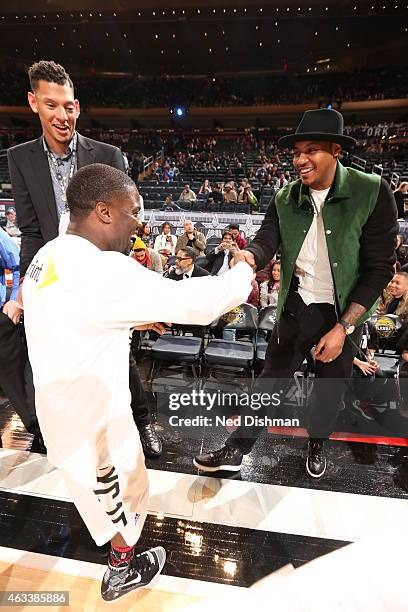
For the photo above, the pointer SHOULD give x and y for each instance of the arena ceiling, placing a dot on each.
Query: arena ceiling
(171, 38)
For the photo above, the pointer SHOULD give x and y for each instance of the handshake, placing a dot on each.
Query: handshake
(245, 256)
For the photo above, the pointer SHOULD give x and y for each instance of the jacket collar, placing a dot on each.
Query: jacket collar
(338, 191)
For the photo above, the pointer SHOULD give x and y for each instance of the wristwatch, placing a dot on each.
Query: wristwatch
(348, 327)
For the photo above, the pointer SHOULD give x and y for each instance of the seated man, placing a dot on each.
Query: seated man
(185, 265)
(215, 197)
(236, 235)
(82, 296)
(219, 259)
(191, 237)
(187, 195)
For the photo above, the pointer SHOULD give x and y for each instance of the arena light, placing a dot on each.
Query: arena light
(178, 112)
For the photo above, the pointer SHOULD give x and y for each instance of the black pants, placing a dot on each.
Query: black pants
(299, 329)
(15, 372)
(139, 404)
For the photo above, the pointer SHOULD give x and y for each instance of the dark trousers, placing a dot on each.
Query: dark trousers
(16, 378)
(139, 404)
(299, 329)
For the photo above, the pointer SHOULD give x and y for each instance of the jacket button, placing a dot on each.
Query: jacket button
(335, 264)
(304, 231)
(328, 231)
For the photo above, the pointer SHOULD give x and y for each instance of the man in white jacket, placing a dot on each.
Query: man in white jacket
(82, 296)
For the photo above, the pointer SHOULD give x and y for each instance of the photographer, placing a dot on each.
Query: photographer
(165, 242)
(219, 259)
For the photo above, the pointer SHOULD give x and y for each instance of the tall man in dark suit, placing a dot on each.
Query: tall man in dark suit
(40, 172)
(185, 265)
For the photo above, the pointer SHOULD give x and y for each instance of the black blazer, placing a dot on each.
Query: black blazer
(33, 192)
(216, 261)
(197, 271)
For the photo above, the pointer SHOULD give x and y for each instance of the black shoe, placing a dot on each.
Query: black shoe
(316, 461)
(152, 445)
(228, 458)
(140, 572)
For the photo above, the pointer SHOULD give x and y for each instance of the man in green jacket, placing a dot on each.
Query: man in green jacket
(335, 227)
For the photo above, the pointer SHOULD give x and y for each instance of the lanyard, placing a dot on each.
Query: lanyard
(63, 181)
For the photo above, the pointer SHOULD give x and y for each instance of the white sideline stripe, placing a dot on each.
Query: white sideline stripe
(95, 571)
(292, 510)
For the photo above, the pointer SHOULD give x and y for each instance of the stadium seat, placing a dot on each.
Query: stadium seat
(181, 350)
(232, 353)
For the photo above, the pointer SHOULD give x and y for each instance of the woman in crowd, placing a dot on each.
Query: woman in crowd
(205, 188)
(165, 242)
(395, 296)
(145, 233)
(269, 290)
(253, 297)
(146, 257)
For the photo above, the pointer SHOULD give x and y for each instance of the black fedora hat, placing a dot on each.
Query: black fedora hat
(319, 124)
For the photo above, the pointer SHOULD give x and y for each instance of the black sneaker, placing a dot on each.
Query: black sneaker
(152, 445)
(140, 572)
(228, 458)
(316, 461)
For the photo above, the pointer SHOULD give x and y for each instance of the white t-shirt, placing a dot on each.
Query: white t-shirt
(313, 264)
(79, 306)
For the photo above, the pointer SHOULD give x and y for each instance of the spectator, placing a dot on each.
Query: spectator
(401, 196)
(396, 296)
(148, 258)
(9, 260)
(187, 195)
(165, 242)
(205, 188)
(269, 290)
(10, 223)
(192, 238)
(215, 197)
(400, 252)
(185, 266)
(168, 200)
(253, 297)
(248, 197)
(219, 259)
(229, 193)
(145, 233)
(281, 181)
(236, 235)
(173, 172)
